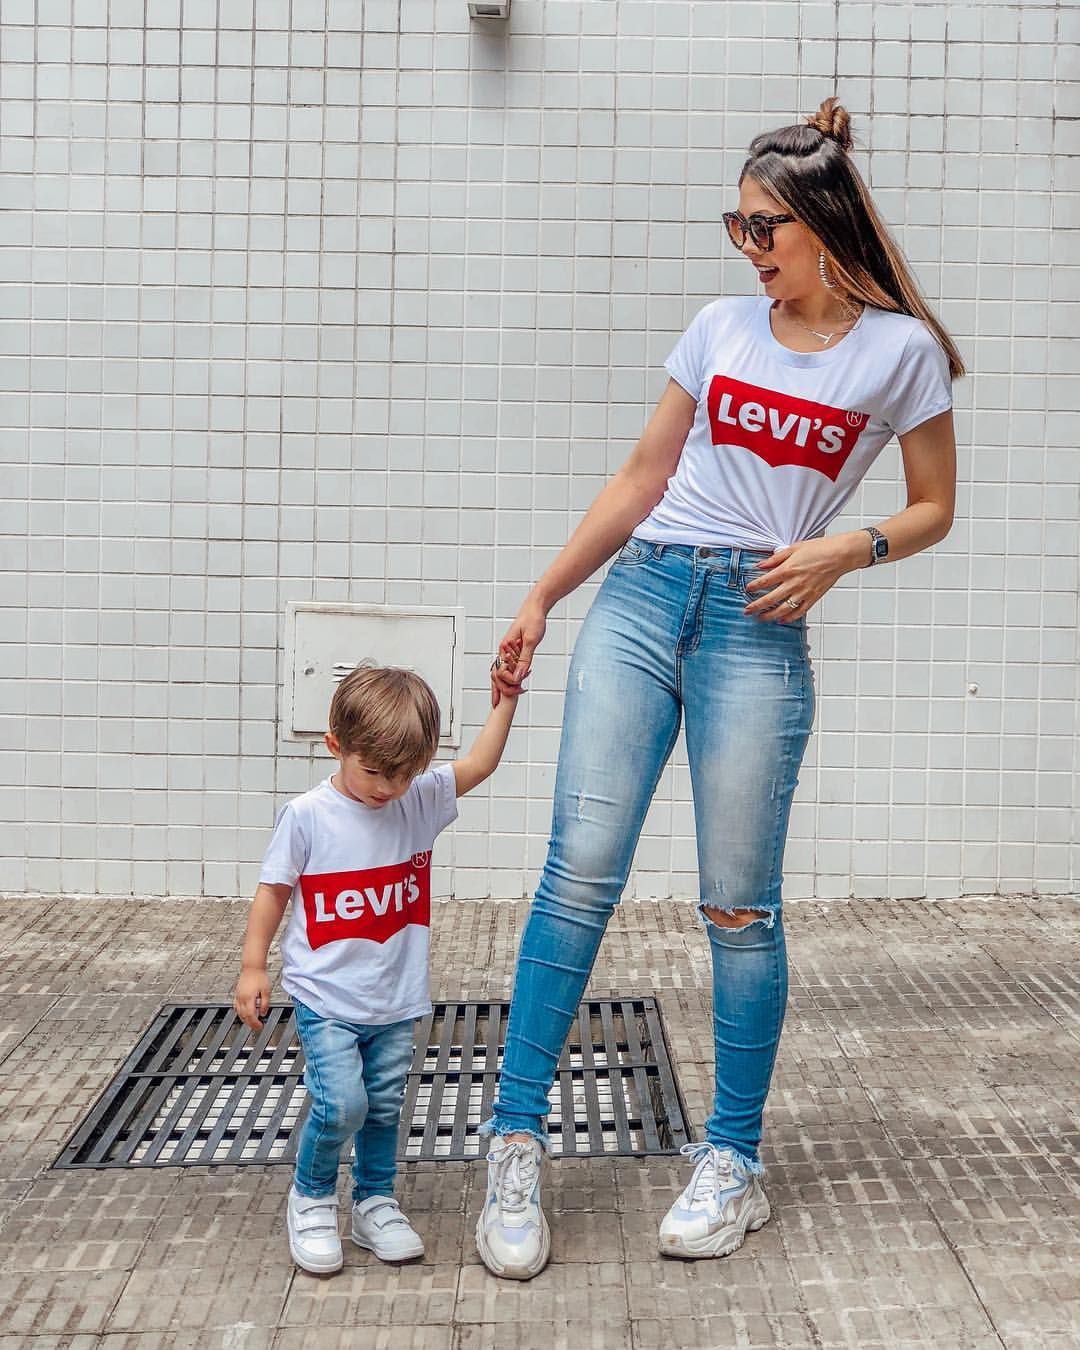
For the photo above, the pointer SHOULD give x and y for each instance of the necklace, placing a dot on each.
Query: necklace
(824, 338)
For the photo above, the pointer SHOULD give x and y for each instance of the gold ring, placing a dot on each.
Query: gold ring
(792, 604)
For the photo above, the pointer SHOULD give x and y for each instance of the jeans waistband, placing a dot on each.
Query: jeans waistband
(713, 555)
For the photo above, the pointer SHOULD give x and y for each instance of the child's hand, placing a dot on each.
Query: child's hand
(252, 999)
(522, 637)
(504, 670)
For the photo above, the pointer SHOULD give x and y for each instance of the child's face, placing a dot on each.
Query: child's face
(370, 786)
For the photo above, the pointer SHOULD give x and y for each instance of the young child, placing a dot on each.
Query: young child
(354, 855)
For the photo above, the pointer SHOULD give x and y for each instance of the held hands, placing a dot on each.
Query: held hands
(252, 1000)
(795, 578)
(516, 651)
(505, 680)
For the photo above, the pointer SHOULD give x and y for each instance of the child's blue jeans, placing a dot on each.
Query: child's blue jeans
(355, 1076)
(666, 640)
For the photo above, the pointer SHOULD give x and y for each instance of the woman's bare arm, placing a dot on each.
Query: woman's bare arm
(807, 570)
(624, 502)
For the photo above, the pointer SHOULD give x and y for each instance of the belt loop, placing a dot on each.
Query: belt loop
(733, 568)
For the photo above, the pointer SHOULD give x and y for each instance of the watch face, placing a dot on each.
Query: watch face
(881, 548)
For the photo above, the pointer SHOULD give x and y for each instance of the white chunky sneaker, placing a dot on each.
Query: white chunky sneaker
(379, 1225)
(313, 1233)
(723, 1202)
(512, 1234)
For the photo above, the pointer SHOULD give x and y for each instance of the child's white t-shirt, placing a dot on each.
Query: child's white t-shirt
(781, 439)
(356, 946)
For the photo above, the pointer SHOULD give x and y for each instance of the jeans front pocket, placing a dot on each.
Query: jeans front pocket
(749, 571)
(634, 551)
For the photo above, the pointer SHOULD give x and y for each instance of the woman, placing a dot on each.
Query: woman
(776, 408)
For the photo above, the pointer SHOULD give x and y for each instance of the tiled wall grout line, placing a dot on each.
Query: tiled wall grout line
(280, 297)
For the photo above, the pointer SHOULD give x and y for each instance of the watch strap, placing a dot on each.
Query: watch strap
(877, 539)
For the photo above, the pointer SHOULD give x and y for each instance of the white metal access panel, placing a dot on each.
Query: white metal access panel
(325, 641)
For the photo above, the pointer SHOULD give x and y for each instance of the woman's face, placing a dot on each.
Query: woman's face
(789, 270)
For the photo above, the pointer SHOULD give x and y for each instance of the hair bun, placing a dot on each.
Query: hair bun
(832, 120)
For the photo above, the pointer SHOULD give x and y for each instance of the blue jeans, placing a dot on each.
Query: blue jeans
(665, 641)
(355, 1076)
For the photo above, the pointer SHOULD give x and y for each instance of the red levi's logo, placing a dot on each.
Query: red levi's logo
(781, 429)
(373, 904)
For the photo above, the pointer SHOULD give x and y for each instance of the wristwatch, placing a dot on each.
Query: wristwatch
(879, 545)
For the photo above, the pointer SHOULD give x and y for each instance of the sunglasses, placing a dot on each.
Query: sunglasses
(759, 227)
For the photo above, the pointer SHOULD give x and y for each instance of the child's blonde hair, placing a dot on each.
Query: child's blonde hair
(387, 716)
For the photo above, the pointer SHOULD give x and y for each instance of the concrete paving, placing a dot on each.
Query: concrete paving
(923, 1144)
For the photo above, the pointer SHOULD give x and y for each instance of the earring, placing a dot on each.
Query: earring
(829, 285)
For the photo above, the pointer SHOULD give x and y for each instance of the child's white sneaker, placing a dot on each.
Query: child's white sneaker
(722, 1203)
(379, 1225)
(512, 1234)
(313, 1233)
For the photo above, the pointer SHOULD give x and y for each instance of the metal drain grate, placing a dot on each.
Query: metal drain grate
(200, 1089)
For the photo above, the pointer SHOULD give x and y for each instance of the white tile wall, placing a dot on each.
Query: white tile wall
(351, 300)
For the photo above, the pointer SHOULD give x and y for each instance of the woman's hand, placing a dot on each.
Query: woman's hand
(805, 571)
(795, 578)
(516, 649)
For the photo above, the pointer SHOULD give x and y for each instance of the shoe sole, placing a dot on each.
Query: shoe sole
(721, 1243)
(397, 1259)
(312, 1267)
(514, 1272)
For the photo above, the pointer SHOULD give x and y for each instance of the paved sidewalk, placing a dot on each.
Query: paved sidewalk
(923, 1143)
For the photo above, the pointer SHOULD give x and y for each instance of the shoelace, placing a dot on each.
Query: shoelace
(515, 1176)
(715, 1171)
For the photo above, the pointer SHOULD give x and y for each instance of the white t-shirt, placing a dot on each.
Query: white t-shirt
(781, 439)
(356, 947)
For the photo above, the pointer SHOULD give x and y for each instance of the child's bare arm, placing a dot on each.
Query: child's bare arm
(485, 752)
(253, 988)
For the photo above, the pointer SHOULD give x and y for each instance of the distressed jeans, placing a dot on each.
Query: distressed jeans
(666, 641)
(355, 1076)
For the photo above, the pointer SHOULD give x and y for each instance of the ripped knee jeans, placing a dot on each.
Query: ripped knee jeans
(666, 644)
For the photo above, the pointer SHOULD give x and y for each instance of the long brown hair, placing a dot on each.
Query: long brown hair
(808, 170)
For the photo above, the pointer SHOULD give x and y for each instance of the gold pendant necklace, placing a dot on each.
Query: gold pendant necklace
(824, 338)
